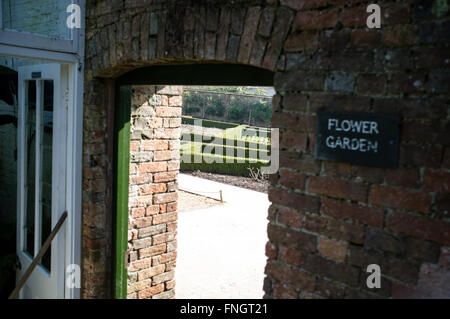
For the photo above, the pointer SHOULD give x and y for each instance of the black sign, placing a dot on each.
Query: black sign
(359, 138)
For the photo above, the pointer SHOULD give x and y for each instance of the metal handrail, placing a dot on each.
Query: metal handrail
(39, 256)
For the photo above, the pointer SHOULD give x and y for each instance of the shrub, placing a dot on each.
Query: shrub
(193, 137)
(237, 112)
(236, 169)
(191, 109)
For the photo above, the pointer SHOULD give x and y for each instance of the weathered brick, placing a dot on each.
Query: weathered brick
(334, 229)
(283, 20)
(340, 82)
(330, 269)
(167, 276)
(164, 218)
(316, 20)
(378, 239)
(150, 272)
(443, 205)
(152, 251)
(289, 256)
(303, 4)
(403, 177)
(298, 81)
(247, 39)
(290, 218)
(422, 250)
(290, 238)
(149, 292)
(337, 188)
(361, 214)
(152, 167)
(421, 155)
(365, 38)
(165, 295)
(400, 35)
(165, 198)
(444, 260)
(406, 83)
(332, 249)
(399, 198)
(301, 279)
(329, 288)
(304, 41)
(354, 16)
(140, 264)
(282, 291)
(434, 230)
(292, 179)
(436, 181)
(152, 230)
(371, 83)
(299, 202)
(165, 176)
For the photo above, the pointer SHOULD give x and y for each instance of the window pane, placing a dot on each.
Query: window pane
(44, 17)
(30, 161)
(46, 168)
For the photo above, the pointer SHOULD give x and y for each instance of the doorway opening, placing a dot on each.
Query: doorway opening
(223, 201)
(148, 131)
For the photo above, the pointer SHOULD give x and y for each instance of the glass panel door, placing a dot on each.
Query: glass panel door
(42, 177)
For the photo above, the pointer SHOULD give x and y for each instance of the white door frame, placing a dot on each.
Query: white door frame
(43, 284)
(29, 46)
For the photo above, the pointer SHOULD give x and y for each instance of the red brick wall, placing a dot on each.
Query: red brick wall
(328, 220)
(154, 165)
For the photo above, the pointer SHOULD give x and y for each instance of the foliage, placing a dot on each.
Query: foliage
(188, 137)
(209, 149)
(191, 109)
(229, 103)
(257, 175)
(237, 113)
(209, 165)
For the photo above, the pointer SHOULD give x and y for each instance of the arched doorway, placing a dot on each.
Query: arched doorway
(162, 78)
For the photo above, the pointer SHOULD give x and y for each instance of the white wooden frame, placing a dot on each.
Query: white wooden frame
(70, 52)
(48, 283)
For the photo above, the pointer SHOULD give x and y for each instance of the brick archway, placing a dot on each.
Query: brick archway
(328, 220)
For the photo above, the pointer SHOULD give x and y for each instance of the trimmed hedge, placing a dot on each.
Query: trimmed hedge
(208, 123)
(236, 169)
(247, 152)
(208, 139)
(236, 132)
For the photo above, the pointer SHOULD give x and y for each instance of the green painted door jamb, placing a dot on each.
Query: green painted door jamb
(122, 153)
